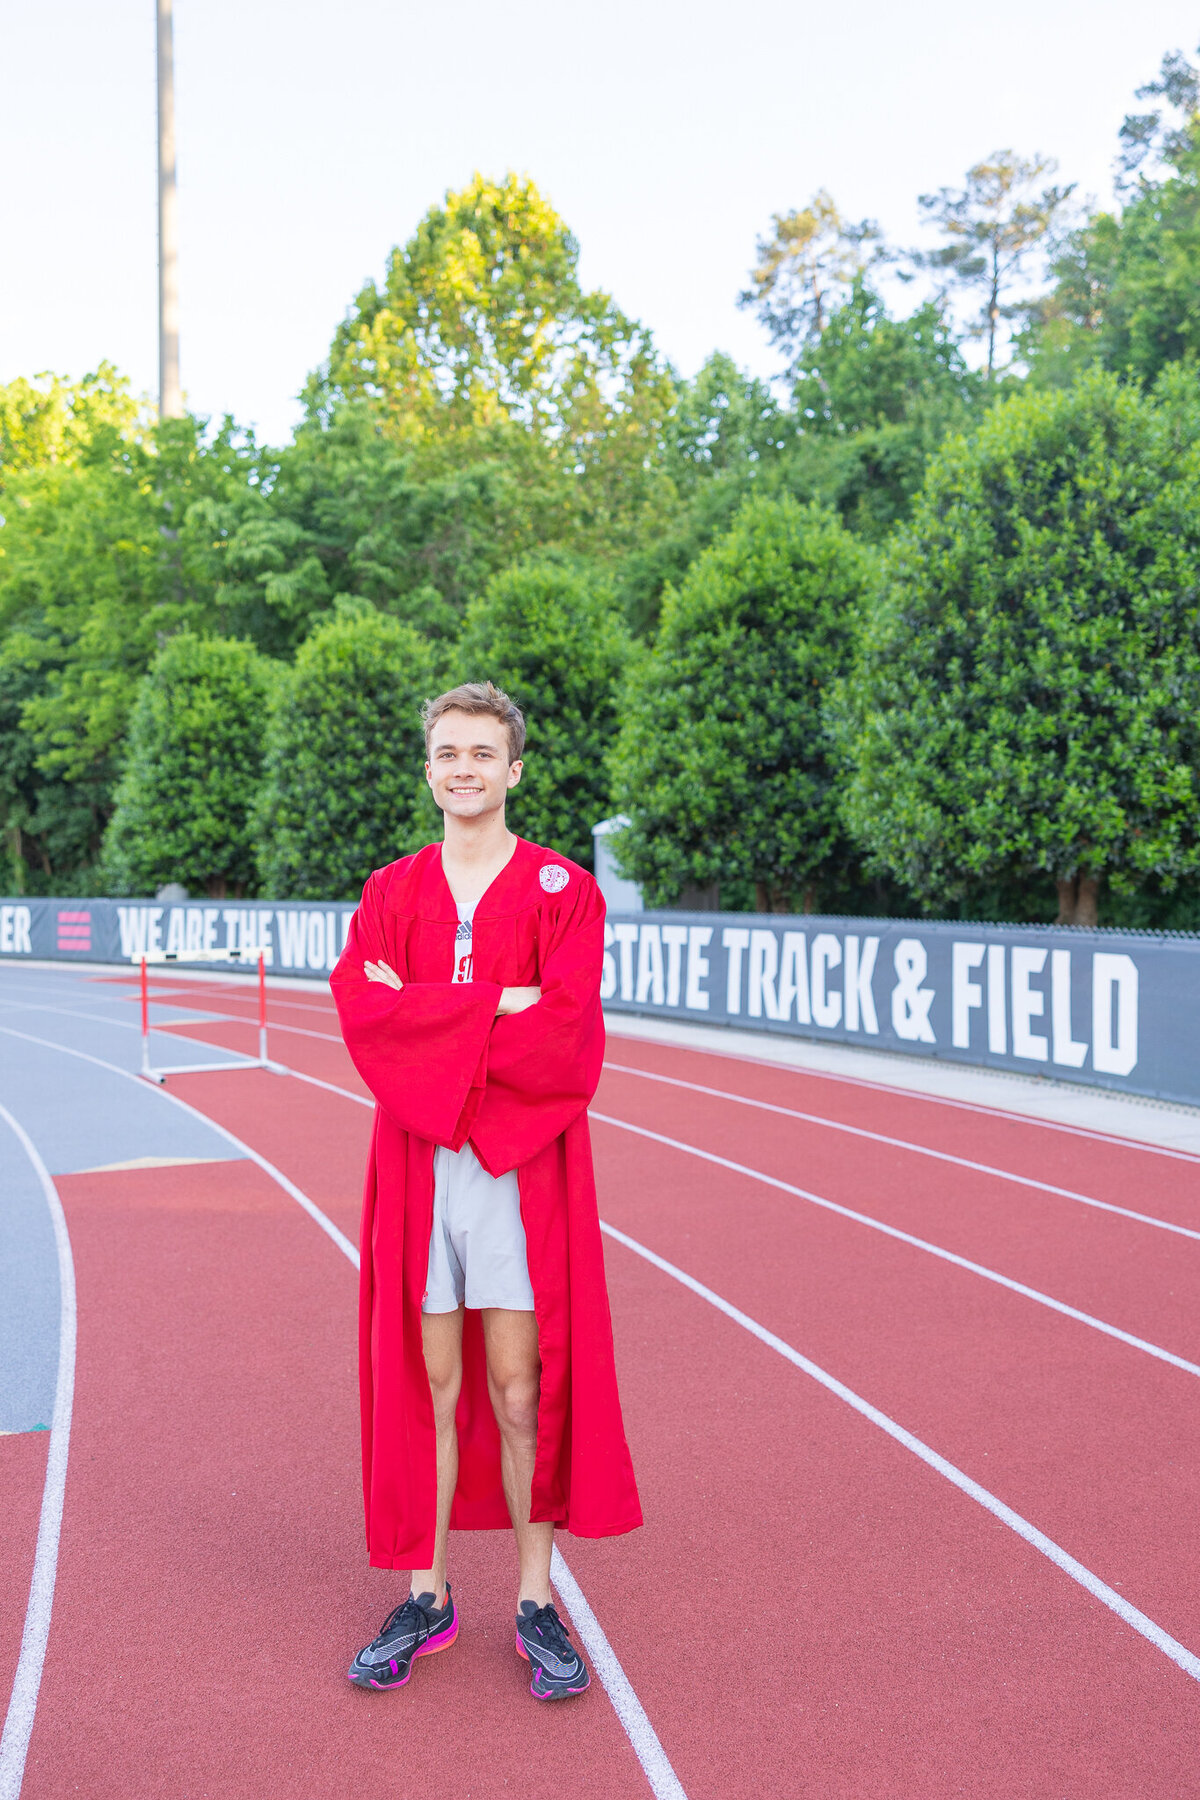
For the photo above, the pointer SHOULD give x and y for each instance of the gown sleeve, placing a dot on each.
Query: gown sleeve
(422, 1050)
(543, 1064)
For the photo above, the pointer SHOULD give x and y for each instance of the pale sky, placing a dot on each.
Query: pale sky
(313, 135)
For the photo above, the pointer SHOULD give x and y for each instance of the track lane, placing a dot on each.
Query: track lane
(1039, 1722)
(639, 1733)
(1108, 1167)
(1134, 1278)
(908, 1145)
(871, 1222)
(1073, 1430)
(1178, 1653)
(839, 1622)
(23, 1698)
(22, 1486)
(212, 1580)
(927, 1653)
(1010, 1389)
(325, 1057)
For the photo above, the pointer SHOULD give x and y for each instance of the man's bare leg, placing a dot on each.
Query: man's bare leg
(514, 1382)
(442, 1335)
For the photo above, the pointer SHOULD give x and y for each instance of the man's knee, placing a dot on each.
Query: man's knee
(515, 1402)
(444, 1386)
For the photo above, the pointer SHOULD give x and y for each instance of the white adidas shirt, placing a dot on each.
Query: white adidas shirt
(463, 941)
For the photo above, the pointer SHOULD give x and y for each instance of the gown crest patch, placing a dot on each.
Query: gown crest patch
(554, 877)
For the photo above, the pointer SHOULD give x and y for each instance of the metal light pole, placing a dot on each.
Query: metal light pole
(170, 396)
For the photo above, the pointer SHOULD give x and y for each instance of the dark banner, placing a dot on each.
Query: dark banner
(295, 939)
(1117, 1010)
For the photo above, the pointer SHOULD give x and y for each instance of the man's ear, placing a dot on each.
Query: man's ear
(514, 773)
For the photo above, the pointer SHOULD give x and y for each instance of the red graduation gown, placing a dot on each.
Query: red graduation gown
(444, 1070)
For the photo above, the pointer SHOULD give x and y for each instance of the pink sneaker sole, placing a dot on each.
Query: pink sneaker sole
(524, 1654)
(442, 1641)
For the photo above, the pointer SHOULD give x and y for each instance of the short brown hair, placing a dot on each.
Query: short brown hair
(478, 697)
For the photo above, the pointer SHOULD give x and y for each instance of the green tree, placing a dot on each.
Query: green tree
(868, 370)
(725, 435)
(1126, 281)
(351, 512)
(549, 634)
(191, 771)
(805, 269)
(723, 760)
(991, 227)
(49, 420)
(481, 336)
(1026, 707)
(1162, 135)
(104, 556)
(875, 396)
(343, 791)
(52, 827)
(476, 405)
(47, 424)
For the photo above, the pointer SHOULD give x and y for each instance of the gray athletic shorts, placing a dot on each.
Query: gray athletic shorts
(477, 1245)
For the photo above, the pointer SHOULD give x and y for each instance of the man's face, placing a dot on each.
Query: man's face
(468, 769)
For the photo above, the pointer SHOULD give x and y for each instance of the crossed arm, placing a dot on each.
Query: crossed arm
(512, 999)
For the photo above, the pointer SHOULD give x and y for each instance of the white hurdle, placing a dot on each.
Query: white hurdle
(261, 1061)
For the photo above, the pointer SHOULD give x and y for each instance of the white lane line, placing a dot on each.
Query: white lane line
(233, 991)
(879, 1137)
(962, 1262)
(1162, 1640)
(119, 998)
(247, 997)
(289, 1187)
(649, 1751)
(245, 992)
(329, 1086)
(176, 1027)
(906, 1237)
(930, 1099)
(18, 1723)
(664, 1783)
(177, 1030)
(98, 1018)
(326, 1037)
(152, 1162)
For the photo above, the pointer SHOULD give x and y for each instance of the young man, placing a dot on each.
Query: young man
(469, 999)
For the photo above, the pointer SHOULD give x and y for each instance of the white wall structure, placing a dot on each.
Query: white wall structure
(620, 894)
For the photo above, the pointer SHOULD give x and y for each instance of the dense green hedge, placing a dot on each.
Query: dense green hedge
(344, 791)
(1026, 702)
(723, 762)
(193, 771)
(549, 634)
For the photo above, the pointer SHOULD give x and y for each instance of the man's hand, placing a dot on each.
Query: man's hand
(381, 972)
(516, 999)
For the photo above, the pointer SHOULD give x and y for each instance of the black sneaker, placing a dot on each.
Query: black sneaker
(558, 1669)
(416, 1628)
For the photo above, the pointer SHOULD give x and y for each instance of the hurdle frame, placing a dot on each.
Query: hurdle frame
(159, 1075)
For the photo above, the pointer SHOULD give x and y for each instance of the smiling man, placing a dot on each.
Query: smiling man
(469, 999)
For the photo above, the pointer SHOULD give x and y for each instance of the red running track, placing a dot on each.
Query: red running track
(810, 1610)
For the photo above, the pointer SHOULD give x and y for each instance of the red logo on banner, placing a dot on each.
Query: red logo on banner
(74, 930)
